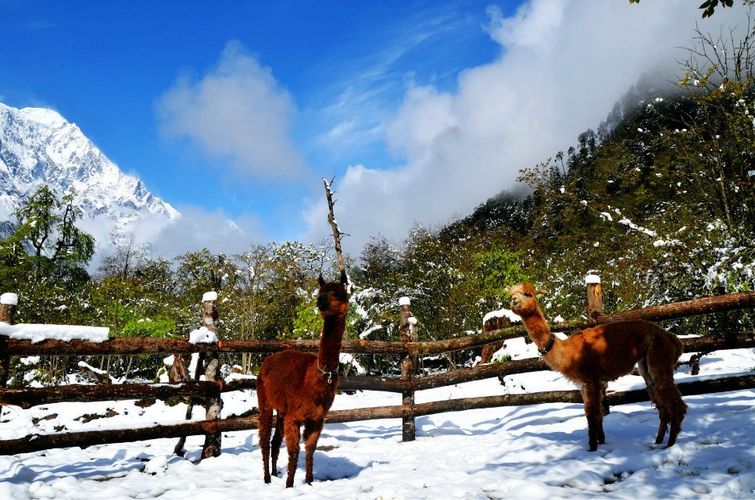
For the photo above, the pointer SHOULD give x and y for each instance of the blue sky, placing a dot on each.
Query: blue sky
(421, 110)
(105, 65)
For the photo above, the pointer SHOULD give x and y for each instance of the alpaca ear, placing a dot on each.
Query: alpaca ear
(344, 278)
(320, 280)
(541, 292)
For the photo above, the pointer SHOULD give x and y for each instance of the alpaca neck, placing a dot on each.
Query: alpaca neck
(539, 332)
(330, 342)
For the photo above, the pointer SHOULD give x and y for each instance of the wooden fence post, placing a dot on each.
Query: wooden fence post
(408, 366)
(8, 303)
(594, 296)
(212, 443)
(594, 312)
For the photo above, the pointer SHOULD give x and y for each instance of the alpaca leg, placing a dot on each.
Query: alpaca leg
(265, 424)
(662, 426)
(661, 359)
(675, 411)
(604, 410)
(650, 385)
(276, 443)
(604, 400)
(291, 430)
(642, 367)
(312, 430)
(593, 411)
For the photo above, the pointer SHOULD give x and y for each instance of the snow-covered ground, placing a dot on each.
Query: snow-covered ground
(510, 452)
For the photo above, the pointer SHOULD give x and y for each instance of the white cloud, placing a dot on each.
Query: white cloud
(237, 111)
(193, 230)
(197, 228)
(562, 67)
(353, 110)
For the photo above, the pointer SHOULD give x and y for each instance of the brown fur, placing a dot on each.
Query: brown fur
(605, 352)
(291, 383)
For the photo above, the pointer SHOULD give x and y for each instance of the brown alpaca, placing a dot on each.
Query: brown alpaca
(300, 386)
(605, 352)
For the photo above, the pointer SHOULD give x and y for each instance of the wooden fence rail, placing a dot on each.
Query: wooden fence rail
(409, 349)
(130, 346)
(28, 397)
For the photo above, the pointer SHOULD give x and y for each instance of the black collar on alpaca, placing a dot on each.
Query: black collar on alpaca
(328, 374)
(548, 346)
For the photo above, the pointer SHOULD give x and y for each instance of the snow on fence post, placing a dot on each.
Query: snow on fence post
(212, 441)
(594, 296)
(493, 321)
(8, 303)
(408, 364)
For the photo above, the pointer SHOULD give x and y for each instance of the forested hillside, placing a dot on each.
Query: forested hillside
(660, 201)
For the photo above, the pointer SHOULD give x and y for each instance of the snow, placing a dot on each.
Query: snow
(625, 221)
(592, 279)
(47, 117)
(39, 332)
(533, 452)
(210, 296)
(10, 299)
(502, 313)
(369, 331)
(202, 336)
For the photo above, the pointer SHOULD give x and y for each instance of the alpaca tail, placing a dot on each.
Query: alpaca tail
(679, 346)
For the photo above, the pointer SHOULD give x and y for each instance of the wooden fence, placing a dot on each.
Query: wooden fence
(208, 393)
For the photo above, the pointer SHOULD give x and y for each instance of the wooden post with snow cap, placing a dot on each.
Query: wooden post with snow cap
(495, 320)
(408, 364)
(212, 442)
(594, 296)
(8, 303)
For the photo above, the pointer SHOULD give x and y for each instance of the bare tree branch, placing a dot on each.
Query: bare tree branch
(334, 225)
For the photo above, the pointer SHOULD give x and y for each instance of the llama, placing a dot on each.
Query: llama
(605, 352)
(301, 386)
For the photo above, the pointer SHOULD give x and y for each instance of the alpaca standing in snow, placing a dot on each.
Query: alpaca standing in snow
(605, 352)
(301, 386)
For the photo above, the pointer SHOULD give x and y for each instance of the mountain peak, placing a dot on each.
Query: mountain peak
(44, 116)
(40, 147)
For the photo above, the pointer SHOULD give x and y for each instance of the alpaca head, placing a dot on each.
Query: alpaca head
(333, 298)
(523, 298)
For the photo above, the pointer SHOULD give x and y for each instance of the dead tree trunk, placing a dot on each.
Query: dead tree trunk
(212, 443)
(208, 364)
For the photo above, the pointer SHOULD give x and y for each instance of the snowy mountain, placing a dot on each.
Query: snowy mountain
(38, 146)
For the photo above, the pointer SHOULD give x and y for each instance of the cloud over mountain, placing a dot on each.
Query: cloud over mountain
(562, 66)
